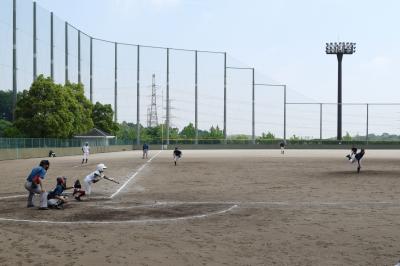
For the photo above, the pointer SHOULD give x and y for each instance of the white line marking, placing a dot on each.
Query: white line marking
(11, 197)
(122, 222)
(134, 175)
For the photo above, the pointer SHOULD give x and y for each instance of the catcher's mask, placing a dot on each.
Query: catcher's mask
(62, 180)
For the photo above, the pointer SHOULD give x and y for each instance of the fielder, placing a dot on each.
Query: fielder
(282, 146)
(95, 177)
(145, 150)
(35, 186)
(177, 154)
(86, 151)
(354, 156)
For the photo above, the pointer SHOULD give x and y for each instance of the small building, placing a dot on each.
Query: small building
(95, 137)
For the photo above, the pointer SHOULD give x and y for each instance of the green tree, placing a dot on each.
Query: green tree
(52, 110)
(216, 133)
(80, 106)
(268, 136)
(239, 137)
(44, 110)
(188, 132)
(294, 137)
(103, 118)
(347, 137)
(126, 131)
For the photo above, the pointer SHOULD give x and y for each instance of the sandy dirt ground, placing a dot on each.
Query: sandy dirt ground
(222, 207)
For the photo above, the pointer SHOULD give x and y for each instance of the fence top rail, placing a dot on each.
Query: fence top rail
(132, 44)
(299, 103)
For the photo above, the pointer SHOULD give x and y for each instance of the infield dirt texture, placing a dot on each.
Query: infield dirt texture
(217, 207)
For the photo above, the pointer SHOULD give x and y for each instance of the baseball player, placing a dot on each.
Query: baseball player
(282, 146)
(78, 192)
(145, 150)
(354, 156)
(35, 186)
(55, 198)
(86, 151)
(95, 177)
(177, 154)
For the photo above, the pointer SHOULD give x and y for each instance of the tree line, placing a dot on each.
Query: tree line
(50, 110)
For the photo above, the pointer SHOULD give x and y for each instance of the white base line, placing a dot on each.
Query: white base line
(12, 197)
(122, 222)
(134, 175)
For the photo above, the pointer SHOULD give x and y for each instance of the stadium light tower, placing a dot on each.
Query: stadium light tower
(340, 49)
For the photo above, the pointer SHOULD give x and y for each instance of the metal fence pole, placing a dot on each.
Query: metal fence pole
(284, 113)
(116, 82)
(253, 112)
(14, 100)
(167, 122)
(366, 135)
(195, 100)
(91, 69)
(320, 122)
(79, 57)
(66, 52)
(34, 43)
(52, 46)
(138, 97)
(225, 135)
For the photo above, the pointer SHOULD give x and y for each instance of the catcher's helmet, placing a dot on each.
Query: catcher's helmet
(62, 180)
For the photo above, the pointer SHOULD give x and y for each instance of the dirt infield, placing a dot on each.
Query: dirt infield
(223, 207)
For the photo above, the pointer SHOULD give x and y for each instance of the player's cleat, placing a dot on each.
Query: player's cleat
(30, 206)
(175, 163)
(348, 156)
(43, 208)
(358, 169)
(78, 198)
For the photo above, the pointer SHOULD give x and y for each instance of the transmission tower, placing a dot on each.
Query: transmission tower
(152, 117)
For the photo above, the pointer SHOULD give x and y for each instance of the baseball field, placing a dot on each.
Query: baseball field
(216, 207)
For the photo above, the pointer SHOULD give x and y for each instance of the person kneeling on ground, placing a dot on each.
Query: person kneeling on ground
(78, 192)
(55, 198)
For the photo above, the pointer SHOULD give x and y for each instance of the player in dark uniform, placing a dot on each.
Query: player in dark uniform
(177, 154)
(55, 198)
(145, 150)
(354, 156)
(282, 146)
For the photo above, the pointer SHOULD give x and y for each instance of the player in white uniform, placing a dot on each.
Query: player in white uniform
(93, 178)
(86, 151)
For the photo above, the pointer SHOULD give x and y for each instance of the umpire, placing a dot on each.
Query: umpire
(35, 186)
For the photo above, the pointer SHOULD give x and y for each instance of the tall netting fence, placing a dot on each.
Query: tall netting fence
(177, 89)
(6, 47)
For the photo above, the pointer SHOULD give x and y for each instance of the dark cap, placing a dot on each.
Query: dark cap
(44, 162)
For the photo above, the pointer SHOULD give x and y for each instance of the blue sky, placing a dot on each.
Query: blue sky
(284, 40)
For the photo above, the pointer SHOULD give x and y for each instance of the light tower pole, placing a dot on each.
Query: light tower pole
(340, 49)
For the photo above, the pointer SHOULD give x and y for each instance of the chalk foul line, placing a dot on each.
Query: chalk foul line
(134, 175)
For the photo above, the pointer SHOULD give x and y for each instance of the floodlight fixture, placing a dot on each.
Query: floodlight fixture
(340, 48)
